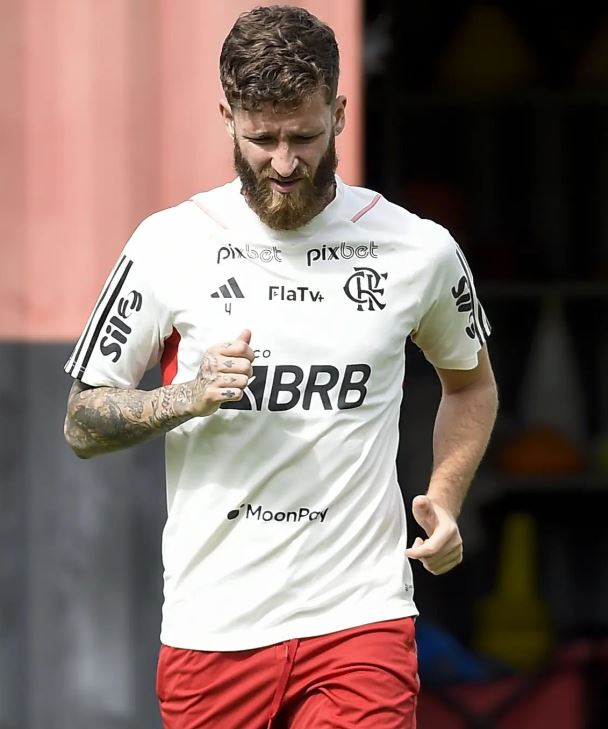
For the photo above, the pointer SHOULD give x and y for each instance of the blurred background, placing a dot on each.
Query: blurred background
(492, 119)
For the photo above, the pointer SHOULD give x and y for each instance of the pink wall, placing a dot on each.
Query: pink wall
(111, 113)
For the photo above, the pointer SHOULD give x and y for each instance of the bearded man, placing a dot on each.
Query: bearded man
(278, 307)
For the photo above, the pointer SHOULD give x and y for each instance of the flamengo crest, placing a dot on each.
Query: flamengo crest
(363, 287)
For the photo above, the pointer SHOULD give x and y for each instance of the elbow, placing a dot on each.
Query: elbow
(489, 397)
(493, 395)
(82, 454)
(73, 437)
(487, 386)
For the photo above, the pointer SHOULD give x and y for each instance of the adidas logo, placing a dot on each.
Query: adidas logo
(229, 290)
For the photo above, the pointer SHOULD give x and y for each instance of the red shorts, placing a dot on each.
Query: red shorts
(365, 677)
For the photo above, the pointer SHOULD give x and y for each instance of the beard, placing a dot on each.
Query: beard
(290, 210)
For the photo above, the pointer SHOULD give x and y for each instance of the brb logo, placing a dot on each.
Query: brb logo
(262, 514)
(118, 330)
(232, 253)
(363, 287)
(288, 385)
(341, 252)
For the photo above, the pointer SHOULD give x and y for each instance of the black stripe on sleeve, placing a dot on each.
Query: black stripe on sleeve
(102, 319)
(482, 319)
(487, 329)
(83, 338)
(467, 274)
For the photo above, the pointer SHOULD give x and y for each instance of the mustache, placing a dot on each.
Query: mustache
(300, 173)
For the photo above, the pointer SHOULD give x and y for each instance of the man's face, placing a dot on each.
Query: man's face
(286, 158)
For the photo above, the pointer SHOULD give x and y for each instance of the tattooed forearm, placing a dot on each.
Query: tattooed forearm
(105, 419)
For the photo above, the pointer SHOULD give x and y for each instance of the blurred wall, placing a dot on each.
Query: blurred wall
(109, 112)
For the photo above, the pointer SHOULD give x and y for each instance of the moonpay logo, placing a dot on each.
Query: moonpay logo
(303, 513)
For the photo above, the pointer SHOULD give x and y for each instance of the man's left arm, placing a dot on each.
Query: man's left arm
(463, 425)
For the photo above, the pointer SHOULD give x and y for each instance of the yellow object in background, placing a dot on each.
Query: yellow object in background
(487, 53)
(513, 623)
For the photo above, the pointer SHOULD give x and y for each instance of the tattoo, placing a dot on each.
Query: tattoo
(105, 419)
(208, 366)
(135, 406)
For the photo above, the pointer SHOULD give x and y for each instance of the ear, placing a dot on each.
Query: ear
(228, 117)
(339, 114)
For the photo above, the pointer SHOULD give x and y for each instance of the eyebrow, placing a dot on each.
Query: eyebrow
(270, 135)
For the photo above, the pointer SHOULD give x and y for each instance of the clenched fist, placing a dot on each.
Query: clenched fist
(222, 376)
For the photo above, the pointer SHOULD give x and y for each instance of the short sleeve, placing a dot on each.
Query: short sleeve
(453, 326)
(125, 333)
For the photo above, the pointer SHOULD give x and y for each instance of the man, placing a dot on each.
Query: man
(278, 307)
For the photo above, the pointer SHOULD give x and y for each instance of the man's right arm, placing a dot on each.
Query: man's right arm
(105, 419)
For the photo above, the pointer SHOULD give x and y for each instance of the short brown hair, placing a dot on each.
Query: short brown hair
(278, 55)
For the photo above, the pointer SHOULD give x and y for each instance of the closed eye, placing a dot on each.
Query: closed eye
(300, 139)
(260, 140)
(309, 138)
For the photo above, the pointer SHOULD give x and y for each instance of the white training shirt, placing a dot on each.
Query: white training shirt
(285, 518)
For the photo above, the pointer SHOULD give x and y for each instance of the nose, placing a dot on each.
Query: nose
(284, 161)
